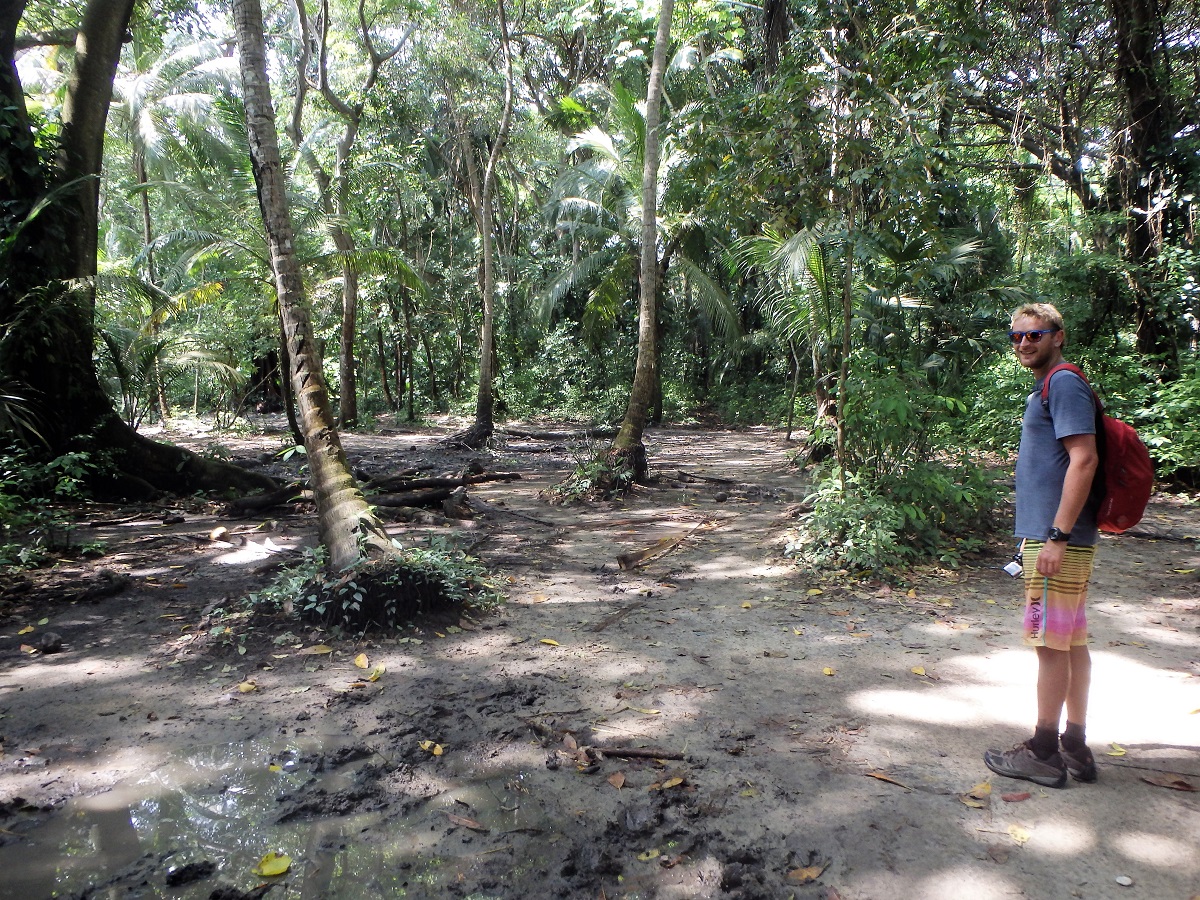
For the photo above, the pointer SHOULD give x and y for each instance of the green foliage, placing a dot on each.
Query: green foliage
(1169, 427)
(33, 525)
(926, 510)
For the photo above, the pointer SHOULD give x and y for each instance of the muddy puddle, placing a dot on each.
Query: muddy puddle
(201, 823)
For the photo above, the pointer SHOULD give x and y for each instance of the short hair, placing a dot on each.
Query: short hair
(1046, 312)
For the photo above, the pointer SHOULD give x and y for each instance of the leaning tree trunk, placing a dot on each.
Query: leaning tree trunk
(346, 523)
(627, 448)
(48, 292)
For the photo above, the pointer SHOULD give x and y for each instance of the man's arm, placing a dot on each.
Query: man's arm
(1081, 469)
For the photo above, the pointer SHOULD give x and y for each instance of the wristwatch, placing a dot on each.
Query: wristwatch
(1057, 534)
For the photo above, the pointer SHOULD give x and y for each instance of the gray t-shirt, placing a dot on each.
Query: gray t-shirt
(1042, 460)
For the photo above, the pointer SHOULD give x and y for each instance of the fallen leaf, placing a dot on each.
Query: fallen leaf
(1167, 780)
(1184, 571)
(797, 631)
(43, 621)
(644, 711)
(649, 855)
(569, 742)
(465, 822)
(550, 641)
(828, 670)
(806, 875)
(247, 687)
(917, 670)
(1117, 750)
(431, 747)
(1019, 834)
(1015, 798)
(672, 782)
(617, 780)
(25, 648)
(377, 672)
(812, 592)
(977, 797)
(883, 776)
(361, 661)
(746, 605)
(273, 864)
(26, 629)
(316, 650)
(274, 767)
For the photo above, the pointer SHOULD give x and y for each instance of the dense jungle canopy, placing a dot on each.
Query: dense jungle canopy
(818, 214)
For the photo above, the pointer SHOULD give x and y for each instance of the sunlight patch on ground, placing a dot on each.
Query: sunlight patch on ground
(254, 551)
(949, 884)
(1059, 837)
(1158, 850)
(1131, 701)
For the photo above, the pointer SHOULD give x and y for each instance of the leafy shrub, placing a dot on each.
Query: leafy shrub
(1169, 427)
(32, 525)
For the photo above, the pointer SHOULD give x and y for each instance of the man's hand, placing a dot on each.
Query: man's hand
(1050, 558)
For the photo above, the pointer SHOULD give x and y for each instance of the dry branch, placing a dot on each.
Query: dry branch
(603, 431)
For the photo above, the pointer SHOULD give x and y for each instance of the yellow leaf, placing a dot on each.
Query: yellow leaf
(25, 648)
(1019, 834)
(315, 650)
(377, 673)
(912, 592)
(26, 629)
(806, 875)
(246, 687)
(644, 711)
(748, 792)
(361, 661)
(649, 855)
(274, 767)
(273, 864)
(972, 802)
(812, 592)
(1184, 571)
(1117, 750)
(746, 605)
(981, 790)
(431, 747)
(828, 670)
(917, 670)
(550, 642)
(672, 782)
(797, 631)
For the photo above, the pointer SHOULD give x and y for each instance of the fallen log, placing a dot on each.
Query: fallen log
(600, 431)
(430, 497)
(688, 476)
(403, 483)
(259, 502)
(637, 753)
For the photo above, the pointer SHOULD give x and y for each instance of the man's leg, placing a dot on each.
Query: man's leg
(1053, 684)
(1075, 753)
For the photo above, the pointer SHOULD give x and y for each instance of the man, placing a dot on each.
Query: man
(1056, 519)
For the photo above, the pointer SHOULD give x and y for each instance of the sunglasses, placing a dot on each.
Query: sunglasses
(1034, 337)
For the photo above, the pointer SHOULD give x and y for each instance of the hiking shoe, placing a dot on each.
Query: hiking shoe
(1080, 764)
(1022, 762)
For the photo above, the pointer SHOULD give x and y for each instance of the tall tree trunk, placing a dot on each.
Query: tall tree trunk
(346, 522)
(48, 298)
(1137, 27)
(481, 431)
(627, 447)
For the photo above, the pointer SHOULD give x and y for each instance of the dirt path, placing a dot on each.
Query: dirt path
(712, 723)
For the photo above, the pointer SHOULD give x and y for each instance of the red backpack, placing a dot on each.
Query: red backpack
(1124, 462)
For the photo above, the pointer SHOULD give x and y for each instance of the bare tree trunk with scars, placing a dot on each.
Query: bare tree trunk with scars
(627, 449)
(348, 527)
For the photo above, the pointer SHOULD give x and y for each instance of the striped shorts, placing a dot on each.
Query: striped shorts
(1055, 614)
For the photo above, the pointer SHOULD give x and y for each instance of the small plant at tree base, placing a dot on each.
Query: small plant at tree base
(599, 476)
(384, 593)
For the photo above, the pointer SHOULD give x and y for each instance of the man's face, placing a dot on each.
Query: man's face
(1039, 355)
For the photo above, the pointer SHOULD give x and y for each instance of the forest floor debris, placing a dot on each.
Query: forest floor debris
(696, 726)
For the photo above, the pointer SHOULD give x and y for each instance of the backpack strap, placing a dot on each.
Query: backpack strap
(1070, 367)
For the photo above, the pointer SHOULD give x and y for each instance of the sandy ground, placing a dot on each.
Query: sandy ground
(713, 723)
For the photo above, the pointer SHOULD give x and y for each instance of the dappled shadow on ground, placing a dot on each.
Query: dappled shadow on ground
(712, 723)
